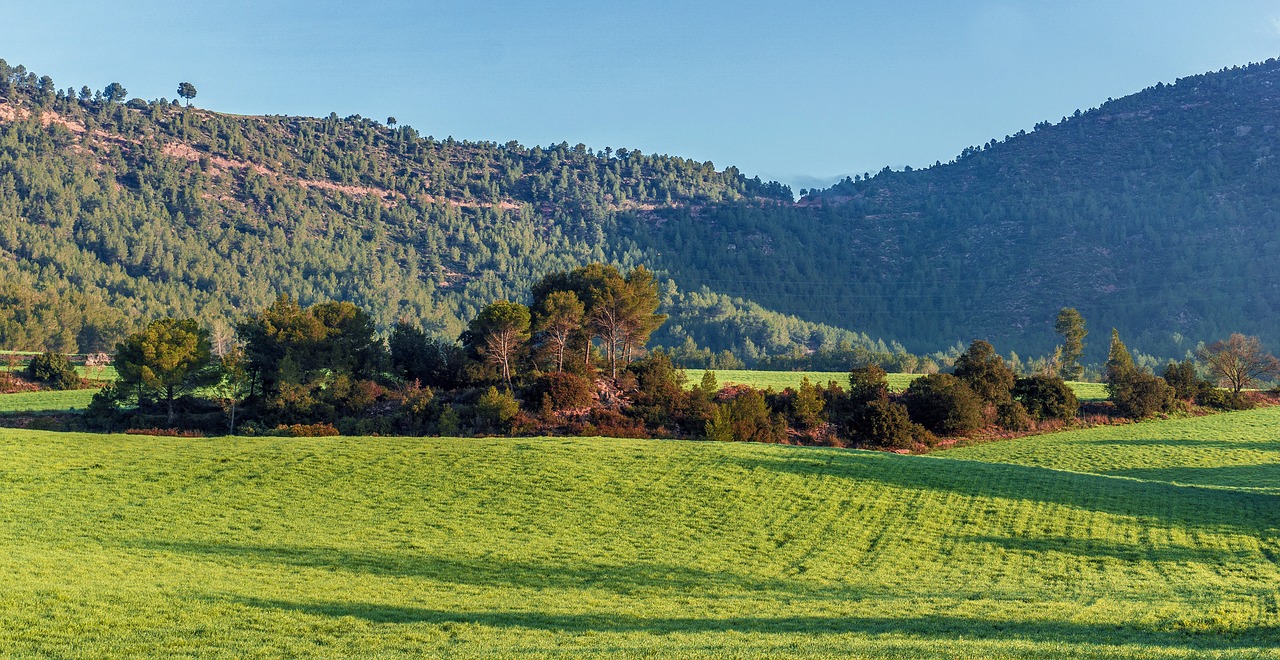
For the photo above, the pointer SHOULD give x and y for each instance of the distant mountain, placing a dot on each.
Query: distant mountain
(1156, 213)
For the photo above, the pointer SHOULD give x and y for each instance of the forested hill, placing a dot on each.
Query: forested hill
(1154, 213)
(116, 211)
(1158, 213)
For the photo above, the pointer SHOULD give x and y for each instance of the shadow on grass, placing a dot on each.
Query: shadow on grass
(1248, 512)
(645, 578)
(928, 627)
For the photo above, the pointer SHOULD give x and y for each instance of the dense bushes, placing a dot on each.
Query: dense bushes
(54, 370)
(944, 404)
(1139, 394)
(746, 417)
(561, 391)
(1046, 397)
(985, 372)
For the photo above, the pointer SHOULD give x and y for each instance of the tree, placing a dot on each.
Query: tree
(187, 91)
(985, 372)
(114, 93)
(1070, 325)
(1184, 380)
(558, 321)
(1238, 362)
(234, 383)
(621, 311)
(1119, 361)
(497, 334)
(302, 352)
(391, 121)
(167, 359)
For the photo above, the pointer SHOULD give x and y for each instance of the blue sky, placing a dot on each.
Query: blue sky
(784, 90)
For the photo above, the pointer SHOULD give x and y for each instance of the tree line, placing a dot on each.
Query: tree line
(576, 362)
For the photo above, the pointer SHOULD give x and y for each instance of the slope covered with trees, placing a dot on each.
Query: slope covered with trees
(114, 212)
(1154, 213)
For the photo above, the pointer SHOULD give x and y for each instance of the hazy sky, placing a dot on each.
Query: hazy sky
(783, 90)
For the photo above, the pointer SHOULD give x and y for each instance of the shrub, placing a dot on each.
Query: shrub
(746, 418)
(1139, 394)
(883, 423)
(867, 384)
(170, 433)
(54, 370)
(1046, 397)
(985, 372)
(495, 411)
(943, 404)
(306, 430)
(564, 390)
(1013, 415)
(1212, 397)
(806, 405)
(450, 422)
(1184, 380)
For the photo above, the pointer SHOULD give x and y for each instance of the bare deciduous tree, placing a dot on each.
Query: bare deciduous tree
(1238, 361)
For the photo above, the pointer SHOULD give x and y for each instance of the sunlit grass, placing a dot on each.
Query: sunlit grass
(1239, 450)
(46, 400)
(127, 545)
(778, 380)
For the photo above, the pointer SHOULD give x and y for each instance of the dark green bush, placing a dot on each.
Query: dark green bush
(746, 418)
(1184, 380)
(1013, 415)
(1212, 397)
(1139, 394)
(496, 411)
(985, 372)
(1046, 397)
(54, 370)
(944, 405)
(883, 423)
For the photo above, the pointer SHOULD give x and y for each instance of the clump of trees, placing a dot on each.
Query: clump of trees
(575, 361)
(53, 370)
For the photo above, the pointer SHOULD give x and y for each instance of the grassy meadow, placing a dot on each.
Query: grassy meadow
(46, 400)
(778, 380)
(1039, 547)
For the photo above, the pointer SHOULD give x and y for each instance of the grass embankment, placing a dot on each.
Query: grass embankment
(126, 545)
(897, 382)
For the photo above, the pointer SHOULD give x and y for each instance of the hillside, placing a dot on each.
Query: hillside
(539, 547)
(112, 213)
(1156, 213)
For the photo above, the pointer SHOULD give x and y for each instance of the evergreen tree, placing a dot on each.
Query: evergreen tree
(1070, 324)
(166, 360)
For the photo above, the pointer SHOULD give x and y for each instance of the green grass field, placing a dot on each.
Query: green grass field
(1239, 451)
(127, 545)
(781, 379)
(107, 372)
(897, 382)
(47, 400)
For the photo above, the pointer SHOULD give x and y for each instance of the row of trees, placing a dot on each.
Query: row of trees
(327, 362)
